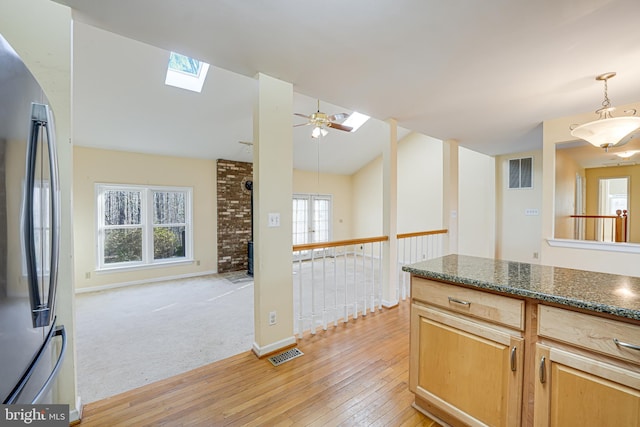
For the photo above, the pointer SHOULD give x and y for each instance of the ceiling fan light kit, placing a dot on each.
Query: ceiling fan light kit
(322, 121)
(607, 131)
(318, 131)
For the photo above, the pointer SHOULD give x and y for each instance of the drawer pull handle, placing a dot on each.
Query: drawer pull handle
(543, 370)
(626, 344)
(513, 359)
(459, 301)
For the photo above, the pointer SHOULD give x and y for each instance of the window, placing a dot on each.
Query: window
(521, 173)
(355, 120)
(186, 73)
(140, 226)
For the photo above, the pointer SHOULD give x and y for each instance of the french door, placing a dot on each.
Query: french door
(311, 218)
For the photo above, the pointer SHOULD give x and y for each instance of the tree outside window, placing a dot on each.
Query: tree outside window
(143, 225)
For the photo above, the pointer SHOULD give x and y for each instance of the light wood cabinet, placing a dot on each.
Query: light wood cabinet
(590, 381)
(483, 359)
(466, 363)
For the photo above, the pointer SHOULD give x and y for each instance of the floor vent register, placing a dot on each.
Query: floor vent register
(279, 359)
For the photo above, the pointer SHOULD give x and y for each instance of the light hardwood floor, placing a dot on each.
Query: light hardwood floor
(353, 375)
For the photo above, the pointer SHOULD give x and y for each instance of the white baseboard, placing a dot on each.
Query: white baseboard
(273, 347)
(389, 304)
(142, 282)
(75, 414)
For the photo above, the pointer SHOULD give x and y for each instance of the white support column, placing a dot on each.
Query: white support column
(390, 217)
(450, 194)
(273, 190)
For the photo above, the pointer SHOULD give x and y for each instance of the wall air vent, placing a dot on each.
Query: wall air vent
(521, 173)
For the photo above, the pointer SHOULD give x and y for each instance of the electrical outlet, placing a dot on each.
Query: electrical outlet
(272, 318)
(87, 275)
(535, 255)
(198, 262)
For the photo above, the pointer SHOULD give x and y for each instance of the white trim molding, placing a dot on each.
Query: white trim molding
(273, 347)
(630, 248)
(142, 282)
(75, 414)
(389, 304)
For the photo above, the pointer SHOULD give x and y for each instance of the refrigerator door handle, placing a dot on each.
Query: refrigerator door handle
(55, 213)
(15, 393)
(42, 310)
(59, 331)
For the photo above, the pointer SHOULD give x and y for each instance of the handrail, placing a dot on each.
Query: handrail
(619, 214)
(322, 245)
(618, 225)
(421, 233)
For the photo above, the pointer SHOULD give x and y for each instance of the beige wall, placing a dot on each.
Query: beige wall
(419, 189)
(602, 259)
(567, 169)
(93, 166)
(633, 173)
(339, 187)
(517, 234)
(419, 183)
(476, 204)
(366, 214)
(272, 192)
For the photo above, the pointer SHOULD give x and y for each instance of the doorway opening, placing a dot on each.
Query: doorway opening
(613, 196)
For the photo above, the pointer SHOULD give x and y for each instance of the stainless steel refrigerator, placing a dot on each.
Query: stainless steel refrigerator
(32, 344)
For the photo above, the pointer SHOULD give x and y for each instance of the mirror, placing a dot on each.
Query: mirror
(594, 188)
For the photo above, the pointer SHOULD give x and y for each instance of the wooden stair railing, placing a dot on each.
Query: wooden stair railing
(618, 223)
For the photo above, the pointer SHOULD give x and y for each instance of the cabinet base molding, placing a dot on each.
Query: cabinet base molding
(438, 415)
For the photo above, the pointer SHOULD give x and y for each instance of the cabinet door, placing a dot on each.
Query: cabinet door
(469, 370)
(573, 390)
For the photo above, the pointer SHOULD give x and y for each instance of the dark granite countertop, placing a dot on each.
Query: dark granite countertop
(599, 292)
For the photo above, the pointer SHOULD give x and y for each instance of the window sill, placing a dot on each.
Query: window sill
(631, 248)
(124, 269)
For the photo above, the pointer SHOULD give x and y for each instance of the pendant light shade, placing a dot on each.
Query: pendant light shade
(607, 131)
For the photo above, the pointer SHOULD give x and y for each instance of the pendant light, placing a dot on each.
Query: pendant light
(607, 131)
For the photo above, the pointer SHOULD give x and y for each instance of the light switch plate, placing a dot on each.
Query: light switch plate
(274, 219)
(531, 212)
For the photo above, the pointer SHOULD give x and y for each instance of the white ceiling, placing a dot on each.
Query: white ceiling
(485, 73)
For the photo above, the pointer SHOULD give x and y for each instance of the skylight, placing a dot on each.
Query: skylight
(355, 120)
(185, 72)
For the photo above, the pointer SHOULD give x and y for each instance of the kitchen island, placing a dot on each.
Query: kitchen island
(505, 343)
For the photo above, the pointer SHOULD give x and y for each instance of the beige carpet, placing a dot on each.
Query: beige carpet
(129, 337)
(133, 336)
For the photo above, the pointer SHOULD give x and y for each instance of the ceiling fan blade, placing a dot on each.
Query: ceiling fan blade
(340, 127)
(302, 124)
(301, 115)
(339, 116)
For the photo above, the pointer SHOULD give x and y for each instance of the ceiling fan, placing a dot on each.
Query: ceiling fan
(320, 121)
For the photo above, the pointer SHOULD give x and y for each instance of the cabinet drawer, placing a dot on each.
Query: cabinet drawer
(590, 332)
(493, 308)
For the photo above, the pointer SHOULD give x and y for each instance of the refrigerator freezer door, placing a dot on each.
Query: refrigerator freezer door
(28, 350)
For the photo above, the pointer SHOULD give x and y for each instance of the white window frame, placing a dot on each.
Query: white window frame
(310, 236)
(146, 213)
